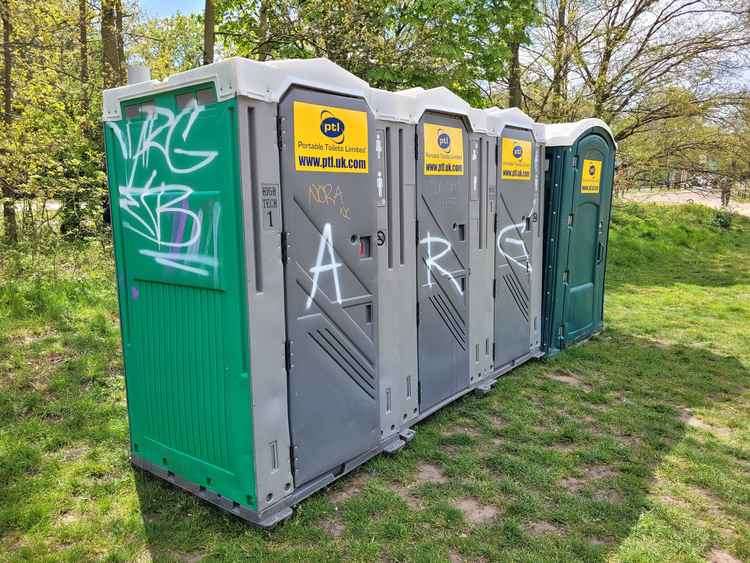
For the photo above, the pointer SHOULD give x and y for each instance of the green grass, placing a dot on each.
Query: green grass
(632, 447)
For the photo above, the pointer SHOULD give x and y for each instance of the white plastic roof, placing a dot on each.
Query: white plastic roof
(268, 81)
(498, 119)
(566, 134)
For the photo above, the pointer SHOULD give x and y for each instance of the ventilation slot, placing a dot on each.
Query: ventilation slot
(482, 193)
(402, 251)
(389, 197)
(256, 203)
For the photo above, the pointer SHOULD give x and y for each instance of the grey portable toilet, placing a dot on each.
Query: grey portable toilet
(452, 181)
(580, 171)
(518, 240)
(352, 350)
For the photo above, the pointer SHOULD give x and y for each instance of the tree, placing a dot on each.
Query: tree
(514, 75)
(50, 143)
(619, 53)
(83, 39)
(9, 201)
(167, 45)
(208, 32)
(120, 39)
(391, 44)
(111, 43)
(662, 73)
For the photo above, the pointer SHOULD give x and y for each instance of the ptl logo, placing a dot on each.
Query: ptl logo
(331, 126)
(444, 141)
(518, 151)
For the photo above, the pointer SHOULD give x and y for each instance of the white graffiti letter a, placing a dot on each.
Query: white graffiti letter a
(326, 243)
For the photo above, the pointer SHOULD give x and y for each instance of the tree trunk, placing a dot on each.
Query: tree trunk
(120, 37)
(9, 207)
(83, 20)
(209, 38)
(560, 61)
(514, 76)
(7, 61)
(110, 56)
(263, 32)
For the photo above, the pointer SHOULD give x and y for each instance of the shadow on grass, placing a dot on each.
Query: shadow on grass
(571, 468)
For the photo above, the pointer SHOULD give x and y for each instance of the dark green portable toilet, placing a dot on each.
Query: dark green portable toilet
(579, 170)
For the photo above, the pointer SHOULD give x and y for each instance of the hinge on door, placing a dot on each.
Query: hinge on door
(279, 140)
(288, 356)
(565, 276)
(291, 459)
(561, 332)
(284, 253)
(416, 146)
(417, 313)
(494, 224)
(570, 220)
(494, 288)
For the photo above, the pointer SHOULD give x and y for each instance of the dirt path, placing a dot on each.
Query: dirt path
(677, 197)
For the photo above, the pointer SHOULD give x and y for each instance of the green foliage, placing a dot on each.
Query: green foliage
(461, 44)
(722, 219)
(51, 151)
(167, 45)
(700, 149)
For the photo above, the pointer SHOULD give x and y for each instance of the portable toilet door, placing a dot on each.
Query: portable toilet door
(518, 240)
(329, 201)
(442, 258)
(580, 168)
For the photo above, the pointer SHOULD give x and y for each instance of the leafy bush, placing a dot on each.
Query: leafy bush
(722, 219)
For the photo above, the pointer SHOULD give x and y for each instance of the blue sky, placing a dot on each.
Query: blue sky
(163, 8)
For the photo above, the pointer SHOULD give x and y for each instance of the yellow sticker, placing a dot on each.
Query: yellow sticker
(329, 139)
(591, 176)
(516, 160)
(443, 150)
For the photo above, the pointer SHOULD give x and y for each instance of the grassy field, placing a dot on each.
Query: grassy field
(632, 447)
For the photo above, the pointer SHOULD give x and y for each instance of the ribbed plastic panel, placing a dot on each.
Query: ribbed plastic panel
(181, 385)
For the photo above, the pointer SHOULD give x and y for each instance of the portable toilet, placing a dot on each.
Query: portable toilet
(518, 238)
(579, 171)
(454, 153)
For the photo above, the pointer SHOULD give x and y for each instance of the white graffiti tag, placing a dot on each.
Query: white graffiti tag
(149, 205)
(326, 244)
(432, 260)
(521, 256)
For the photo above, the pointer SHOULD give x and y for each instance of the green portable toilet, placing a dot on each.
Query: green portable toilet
(579, 171)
